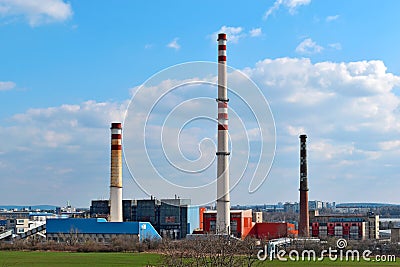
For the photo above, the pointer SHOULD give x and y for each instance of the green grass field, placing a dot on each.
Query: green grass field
(43, 259)
(327, 263)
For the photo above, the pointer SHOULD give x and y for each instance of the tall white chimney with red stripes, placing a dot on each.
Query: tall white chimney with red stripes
(116, 173)
(223, 199)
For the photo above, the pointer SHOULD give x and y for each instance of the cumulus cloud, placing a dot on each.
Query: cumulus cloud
(36, 12)
(255, 32)
(349, 110)
(295, 131)
(7, 86)
(174, 44)
(87, 114)
(332, 18)
(308, 46)
(336, 46)
(291, 5)
(64, 145)
(234, 34)
(390, 145)
(334, 99)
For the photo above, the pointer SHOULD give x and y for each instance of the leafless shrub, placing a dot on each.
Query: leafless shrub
(124, 243)
(76, 243)
(210, 250)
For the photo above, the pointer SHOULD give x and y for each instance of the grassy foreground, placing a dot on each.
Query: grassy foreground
(24, 258)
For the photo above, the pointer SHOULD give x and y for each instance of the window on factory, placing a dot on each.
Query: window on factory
(234, 226)
(212, 225)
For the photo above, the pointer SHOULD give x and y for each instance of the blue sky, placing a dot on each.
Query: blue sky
(327, 68)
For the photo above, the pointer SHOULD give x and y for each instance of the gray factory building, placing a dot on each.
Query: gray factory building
(168, 216)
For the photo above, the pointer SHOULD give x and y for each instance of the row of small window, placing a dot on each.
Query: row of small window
(19, 221)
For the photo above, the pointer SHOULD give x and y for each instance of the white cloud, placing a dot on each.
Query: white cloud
(7, 86)
(324, 149)
(336, 46)
(332, 18)
(295, 131)
(36, 12)
(86, 114)
(390, 145)
(234, 34)
(308, 46)
(255, 32)
(174, 44)
(59, 144)
(348, 110)
(291, 5)
(272, 9)
(347, 102)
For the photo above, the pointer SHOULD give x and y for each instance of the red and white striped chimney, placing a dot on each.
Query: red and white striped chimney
(223, 198)
(116, 173)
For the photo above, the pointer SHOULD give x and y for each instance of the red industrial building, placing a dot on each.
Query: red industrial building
(352, 230)
(273, 230)
(349, 226)
(201, 212)
(242, 225)
(241, 222)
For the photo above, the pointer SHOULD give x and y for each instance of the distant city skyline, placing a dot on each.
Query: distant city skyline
(268, 205)
(327, 69)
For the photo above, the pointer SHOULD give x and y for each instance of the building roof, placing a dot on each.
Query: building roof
(177, 201)
(99, 226)
(242, 213)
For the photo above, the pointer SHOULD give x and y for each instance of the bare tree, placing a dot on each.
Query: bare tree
(249, 249)
(210, 250)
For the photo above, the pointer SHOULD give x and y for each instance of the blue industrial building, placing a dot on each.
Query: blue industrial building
(172, 218)
(99, 229)
(193, 219)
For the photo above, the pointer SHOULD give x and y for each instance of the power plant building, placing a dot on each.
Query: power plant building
(99, 230)
(172, 218)
(273, 230)
(349, 226)
(242, 225)
(241, 222)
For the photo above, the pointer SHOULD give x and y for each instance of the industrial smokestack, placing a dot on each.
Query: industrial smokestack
(223, 201)
(304, 228)
(116, 173)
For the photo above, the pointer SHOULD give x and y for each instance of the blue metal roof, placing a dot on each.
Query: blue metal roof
(100, 226)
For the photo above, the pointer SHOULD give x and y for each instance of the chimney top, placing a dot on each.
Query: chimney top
(221, 36)
(116, 125)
